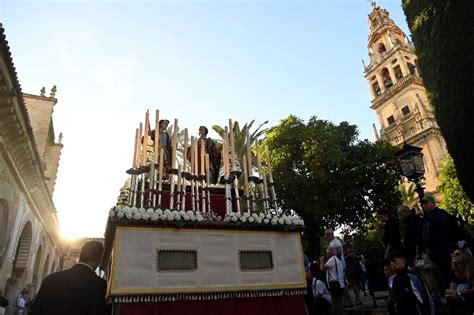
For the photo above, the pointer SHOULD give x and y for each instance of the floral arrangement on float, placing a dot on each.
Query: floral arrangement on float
(180, 218)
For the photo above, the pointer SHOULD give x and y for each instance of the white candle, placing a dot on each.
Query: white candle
(196, 154)
(139, 146)
(259, 165)
(145, 137)
(185, 151)
(232, 147)
(157, 137)
(225, 155)
(269, 164)
(178, 189)
(208, 179)
(249, 154)
(174, 144)
(192, 156)
(245, 175)
(202, 143)
(135, 149)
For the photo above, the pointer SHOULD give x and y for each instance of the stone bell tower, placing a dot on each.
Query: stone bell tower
(398, 95)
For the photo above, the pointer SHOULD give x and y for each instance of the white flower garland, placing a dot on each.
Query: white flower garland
(151, 214)
(267, 219)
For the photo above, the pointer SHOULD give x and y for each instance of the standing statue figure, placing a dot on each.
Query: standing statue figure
(214, 156)
(164, 141)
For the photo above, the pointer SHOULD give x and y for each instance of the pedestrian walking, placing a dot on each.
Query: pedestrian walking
(77, 290)
(21, 299)
(353, 270)
(391, 232)
(335, 277)
(412, 235)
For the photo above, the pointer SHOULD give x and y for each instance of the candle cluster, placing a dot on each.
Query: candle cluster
(156, 171)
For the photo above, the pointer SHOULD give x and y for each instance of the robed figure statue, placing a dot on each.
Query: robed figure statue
(214, 154)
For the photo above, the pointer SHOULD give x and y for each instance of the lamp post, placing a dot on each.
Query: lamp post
(410, 160)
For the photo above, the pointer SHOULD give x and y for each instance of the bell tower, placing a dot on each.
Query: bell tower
(398, 95)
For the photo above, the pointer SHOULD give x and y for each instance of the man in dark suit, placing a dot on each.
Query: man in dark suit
(77, 290)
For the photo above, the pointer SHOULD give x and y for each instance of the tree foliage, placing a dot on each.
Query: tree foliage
(443, 33)
(455, 199)
(330, 178)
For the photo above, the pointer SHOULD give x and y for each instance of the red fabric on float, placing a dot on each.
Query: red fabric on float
(285, 305)
(217, 201)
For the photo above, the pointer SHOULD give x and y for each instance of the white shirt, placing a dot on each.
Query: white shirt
(337, 243)
(320, 288)
(335, 270)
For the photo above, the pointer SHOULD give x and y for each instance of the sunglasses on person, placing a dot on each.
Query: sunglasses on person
(456, 254)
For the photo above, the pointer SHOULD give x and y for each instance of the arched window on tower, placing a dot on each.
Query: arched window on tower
(412, 69)
(381, 48)
(398, 72)
(387, 80)
(376, 88)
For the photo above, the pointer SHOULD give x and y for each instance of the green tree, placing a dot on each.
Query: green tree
(443, 33)
(330, 178)
(455, 199)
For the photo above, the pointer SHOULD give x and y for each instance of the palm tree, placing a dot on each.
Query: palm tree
(240, 141)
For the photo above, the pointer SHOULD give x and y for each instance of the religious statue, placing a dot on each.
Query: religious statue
(164, 141)
(214, 156)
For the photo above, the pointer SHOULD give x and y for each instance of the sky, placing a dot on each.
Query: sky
(201, 61)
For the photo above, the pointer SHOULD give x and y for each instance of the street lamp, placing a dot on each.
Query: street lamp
(410, 160)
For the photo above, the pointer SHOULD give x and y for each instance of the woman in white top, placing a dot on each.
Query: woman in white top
(335, 277)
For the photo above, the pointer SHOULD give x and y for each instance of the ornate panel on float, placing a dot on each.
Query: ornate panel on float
(247, 261)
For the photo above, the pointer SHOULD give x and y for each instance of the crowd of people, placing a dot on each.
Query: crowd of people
(428, 265)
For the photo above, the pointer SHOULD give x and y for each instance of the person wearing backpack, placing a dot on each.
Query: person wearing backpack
(335, 278)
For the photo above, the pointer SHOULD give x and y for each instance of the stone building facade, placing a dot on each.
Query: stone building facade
(398, 95)
(30, 243)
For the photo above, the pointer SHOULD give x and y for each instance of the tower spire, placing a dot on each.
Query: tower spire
(376, 133)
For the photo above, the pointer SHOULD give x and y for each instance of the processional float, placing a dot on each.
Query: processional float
(200, 230)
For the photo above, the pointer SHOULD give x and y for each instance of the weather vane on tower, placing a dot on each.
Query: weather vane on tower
(372, 3)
